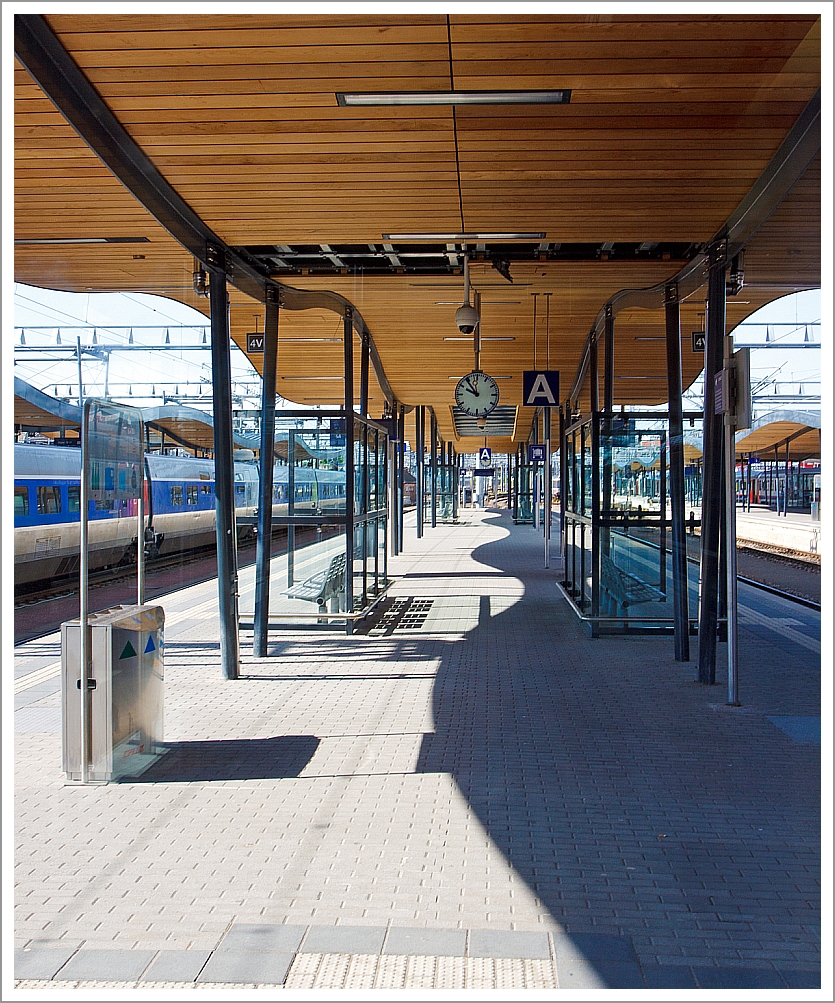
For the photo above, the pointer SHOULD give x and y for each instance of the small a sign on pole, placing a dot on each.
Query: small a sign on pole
(485, 456)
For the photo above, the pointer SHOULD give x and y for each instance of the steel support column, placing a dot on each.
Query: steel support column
(348, 359)
(227, 557)
(267, 462)
(594, 380)
(454, 479)
(605, 536)
(548, 490)
(729, 436)
(433, 468)
(401, 473)
(563, 484)
(396, 543)
(712, 493)
(364, 357)
(609, 359)
(678, 542)
(420, 415)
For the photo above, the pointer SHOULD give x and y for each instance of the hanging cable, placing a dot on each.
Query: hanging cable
(534, 328)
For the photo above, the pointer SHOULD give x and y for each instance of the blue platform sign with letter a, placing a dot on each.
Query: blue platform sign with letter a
(541, 388)
(485, 456)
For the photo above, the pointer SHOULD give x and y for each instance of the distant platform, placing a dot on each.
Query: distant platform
(796, 533)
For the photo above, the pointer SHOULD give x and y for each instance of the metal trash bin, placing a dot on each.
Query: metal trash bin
(126, 689)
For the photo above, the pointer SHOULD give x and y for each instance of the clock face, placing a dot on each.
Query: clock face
(476, 394)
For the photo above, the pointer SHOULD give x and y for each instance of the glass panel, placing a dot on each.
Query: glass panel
(524, 493)
(309, 574)
(21, 501)
(49, 500)
(74, 498)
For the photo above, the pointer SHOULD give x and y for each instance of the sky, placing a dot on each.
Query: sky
(184, 374)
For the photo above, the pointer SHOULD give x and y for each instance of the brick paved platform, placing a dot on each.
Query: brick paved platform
(471, 793)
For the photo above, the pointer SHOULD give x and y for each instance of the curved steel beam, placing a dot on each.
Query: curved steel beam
(50, 65)
(785, 168)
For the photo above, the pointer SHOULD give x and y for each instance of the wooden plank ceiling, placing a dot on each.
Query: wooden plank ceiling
(672, 119)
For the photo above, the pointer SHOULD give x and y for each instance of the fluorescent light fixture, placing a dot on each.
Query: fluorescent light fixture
(451, 237)
(313, 377)
(85, 240)
(483, 339)
(483, 303)
(491, 376)
(283, 341)
(373, 99)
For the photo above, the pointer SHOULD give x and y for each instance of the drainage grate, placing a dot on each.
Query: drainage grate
(408, 613)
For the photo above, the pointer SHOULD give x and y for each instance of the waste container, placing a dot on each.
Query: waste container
(126, 692)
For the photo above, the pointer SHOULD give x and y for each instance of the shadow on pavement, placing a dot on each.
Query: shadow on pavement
(231, 759)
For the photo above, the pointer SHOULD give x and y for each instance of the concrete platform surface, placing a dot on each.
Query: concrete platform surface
(469, 794)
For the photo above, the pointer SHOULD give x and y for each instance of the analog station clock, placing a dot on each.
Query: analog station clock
(476, 394)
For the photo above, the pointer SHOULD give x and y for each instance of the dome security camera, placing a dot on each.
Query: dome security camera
(466, 317)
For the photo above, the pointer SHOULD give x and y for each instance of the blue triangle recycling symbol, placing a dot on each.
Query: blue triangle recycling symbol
(127, 652)
(150, 646)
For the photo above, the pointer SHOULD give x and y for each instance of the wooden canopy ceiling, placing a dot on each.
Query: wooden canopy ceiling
(798, 430)
(672, 120)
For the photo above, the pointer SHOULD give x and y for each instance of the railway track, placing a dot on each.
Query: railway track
(775, 560)
(68, 586)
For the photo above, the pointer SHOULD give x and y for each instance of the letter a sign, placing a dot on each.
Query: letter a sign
(541, 388)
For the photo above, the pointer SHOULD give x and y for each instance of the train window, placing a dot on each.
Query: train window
(49, 499)
(205, 489)
(240, 489)
(74, 498)
(21, 501)
(176, 494)
(191, 494)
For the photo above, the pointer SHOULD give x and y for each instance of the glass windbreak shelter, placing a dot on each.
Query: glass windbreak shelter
(618, 520)
(523, 482)
(445, 495)
(329, 551)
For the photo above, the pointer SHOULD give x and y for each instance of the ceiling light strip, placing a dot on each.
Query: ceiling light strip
(82, 240)
(374, 99)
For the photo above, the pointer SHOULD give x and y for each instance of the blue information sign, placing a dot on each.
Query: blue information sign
(536, 453)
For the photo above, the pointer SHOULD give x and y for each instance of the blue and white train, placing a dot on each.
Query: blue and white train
(179, 508)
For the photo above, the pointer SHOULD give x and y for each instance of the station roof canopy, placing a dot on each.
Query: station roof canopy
(143, 138)
(799, 430)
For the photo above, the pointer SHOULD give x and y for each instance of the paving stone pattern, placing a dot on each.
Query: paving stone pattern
(406, 799)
